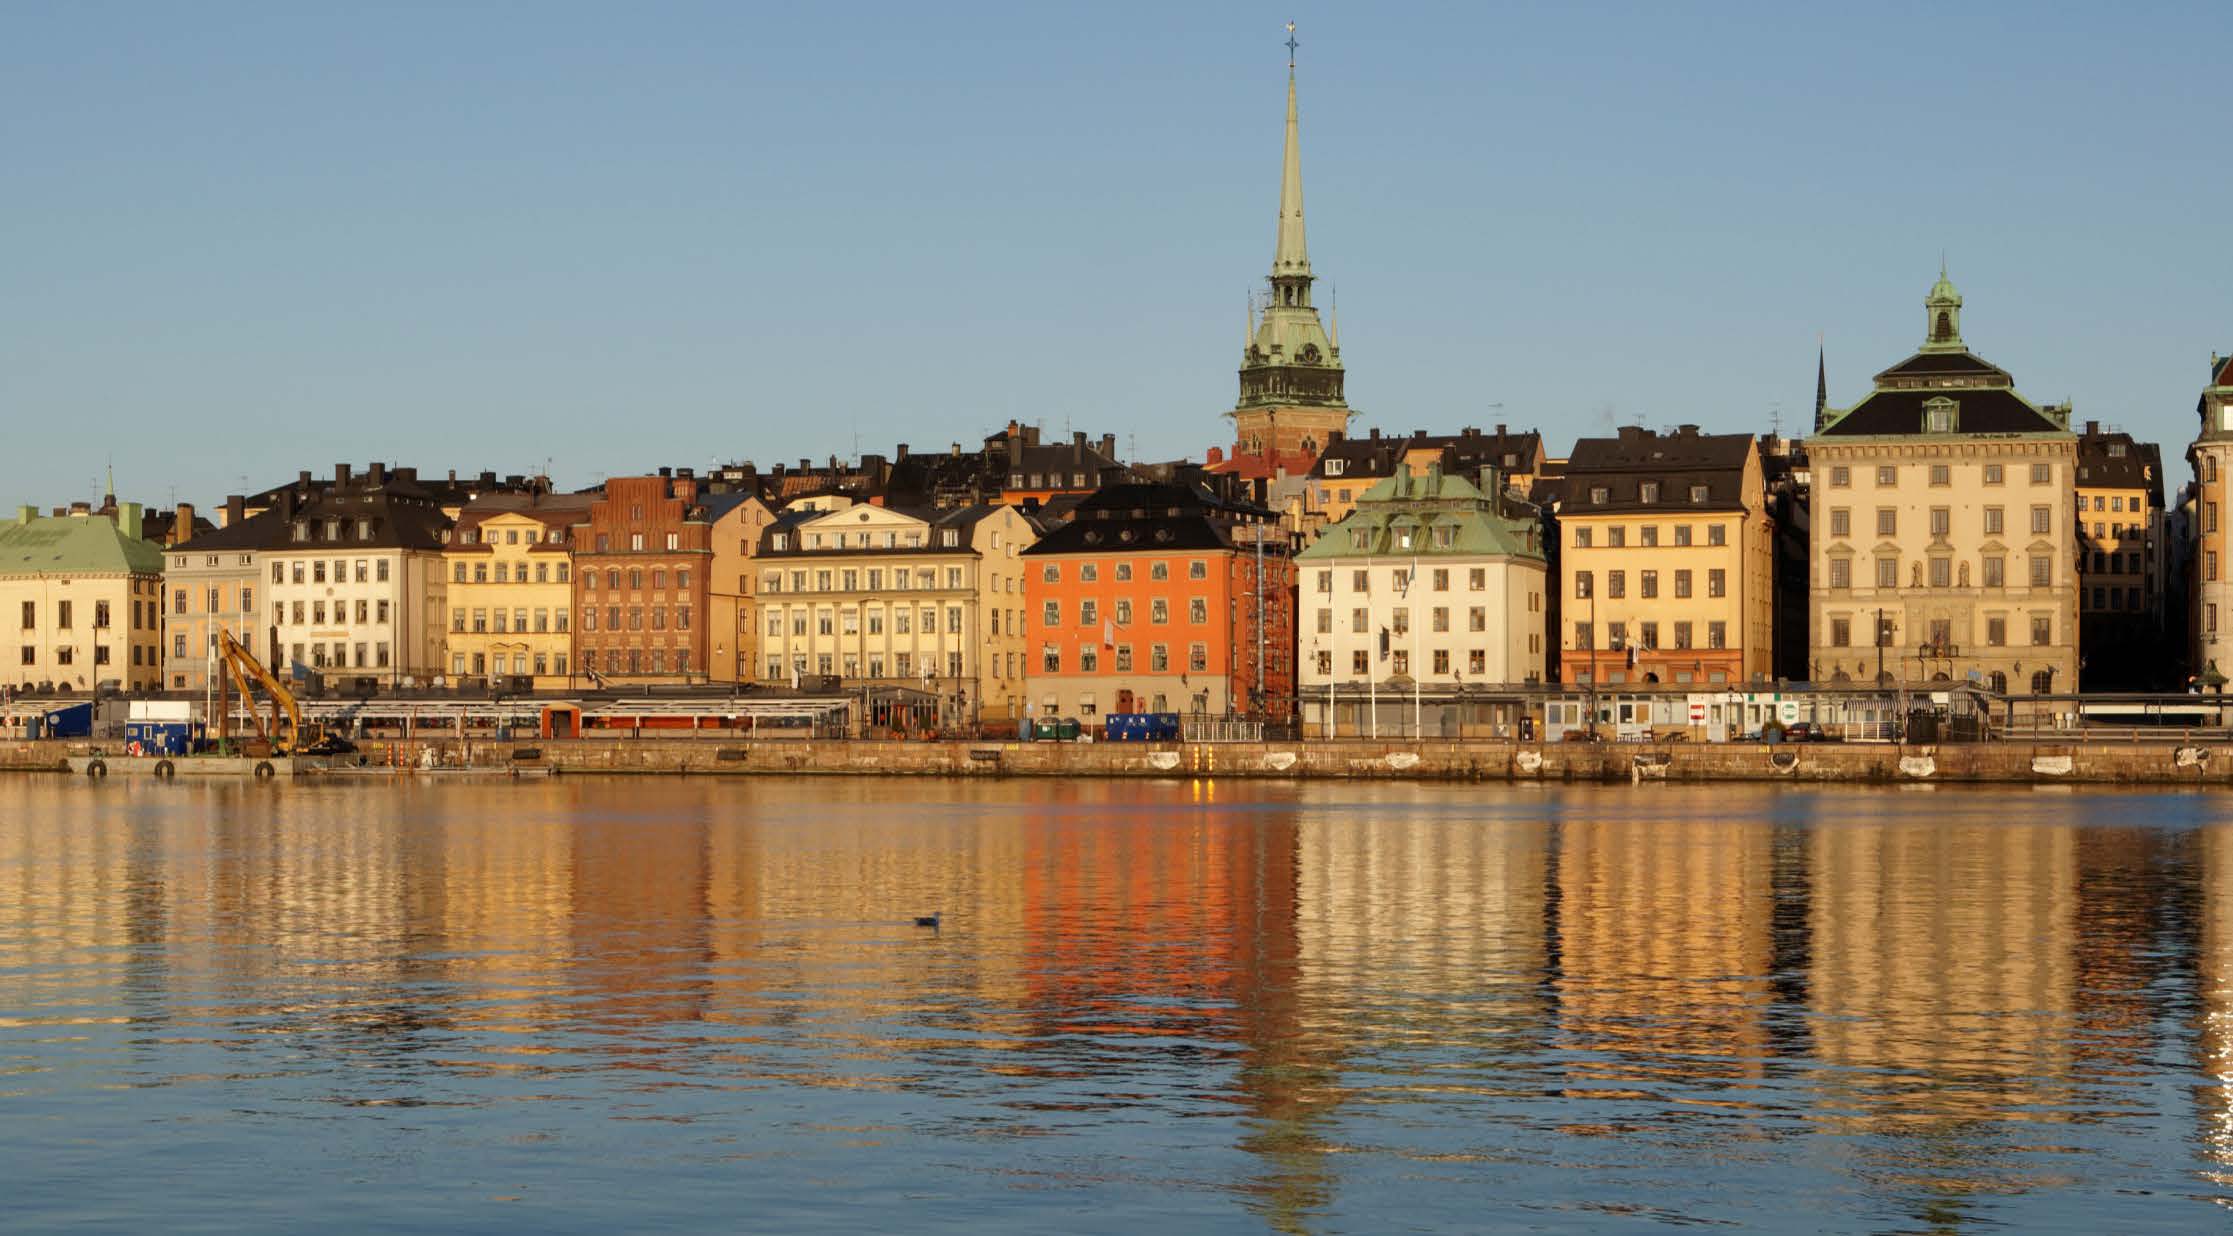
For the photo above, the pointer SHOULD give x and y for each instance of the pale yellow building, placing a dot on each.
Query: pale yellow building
(83, 594)
(1944, 529)
(1666, 560)
(510, 569)
(928, 601)
(736, 522)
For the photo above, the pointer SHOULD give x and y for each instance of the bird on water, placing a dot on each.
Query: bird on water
(929, 920)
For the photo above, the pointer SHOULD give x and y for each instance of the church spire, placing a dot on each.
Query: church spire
(1292, 258)
(1821, 383)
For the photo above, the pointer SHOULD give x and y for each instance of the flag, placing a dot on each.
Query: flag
(1108, 633)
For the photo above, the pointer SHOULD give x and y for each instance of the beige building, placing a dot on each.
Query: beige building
(83, 593)
(511, 592)
(1944, 526)
(212, 583)
(1666, 560)
(732, 587)
(2211, 587)
(924, 601)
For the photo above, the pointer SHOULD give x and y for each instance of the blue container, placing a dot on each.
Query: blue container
(69, 721)
(169, 738)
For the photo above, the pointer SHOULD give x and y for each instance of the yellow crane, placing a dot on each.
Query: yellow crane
(244, 670)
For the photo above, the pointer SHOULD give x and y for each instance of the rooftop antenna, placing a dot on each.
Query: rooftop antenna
(1775, 419)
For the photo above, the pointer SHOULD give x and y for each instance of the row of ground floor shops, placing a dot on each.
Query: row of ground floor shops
(1402, 711)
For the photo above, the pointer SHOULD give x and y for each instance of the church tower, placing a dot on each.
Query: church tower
(1291, 401)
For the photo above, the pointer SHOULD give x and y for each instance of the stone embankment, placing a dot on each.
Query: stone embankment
(2155, 763)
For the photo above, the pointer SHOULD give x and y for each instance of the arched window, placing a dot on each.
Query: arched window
(1998, 680)
(2042, 682)
(2209, 467)
(1945, 330)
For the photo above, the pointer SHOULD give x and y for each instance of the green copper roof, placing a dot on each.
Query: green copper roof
(1424, 505)
(75, 545)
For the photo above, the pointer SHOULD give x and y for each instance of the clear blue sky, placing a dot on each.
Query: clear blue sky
(240, 240)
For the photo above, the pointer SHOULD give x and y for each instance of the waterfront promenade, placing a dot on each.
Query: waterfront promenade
(2169, 762)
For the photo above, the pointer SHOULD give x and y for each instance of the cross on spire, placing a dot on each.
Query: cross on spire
(1291, 46)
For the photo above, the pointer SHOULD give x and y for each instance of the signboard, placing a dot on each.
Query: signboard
(1787, 711)
(1697, 712)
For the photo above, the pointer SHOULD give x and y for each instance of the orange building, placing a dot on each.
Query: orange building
(1160, 598)
(640, 567)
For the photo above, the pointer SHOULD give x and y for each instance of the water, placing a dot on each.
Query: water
(596, 1005)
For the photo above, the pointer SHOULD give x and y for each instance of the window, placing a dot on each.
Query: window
(1717, 582)
(1648, 492)
(1439, 619)
(1089, 613)
(1941, 475)
(1582, 585)
(1841, 521)
(1477, 618)
(1942, 572)
(1717, 535)
(1647, 583)
(2042, 630)
(1198, 611)
(1698, 495)
(2039, 474)
(1887, 476)
(1993, 521)
(1841, 633)
(1360, 661)
(1360, 621)
(2042, 519)
(1616, 536)
(1198, 569)
(1841, 573)
(1887, 572)
(1616, 584)
(1717, 635)
(1841, 477)
(1325, 581)
(1159, 570)
(1159, 658)
(1996, 571)
(1942, 521)
(1682, 534)
(1648, 535)
(1159, 611)
(1996, 631)
(1599, 495)
(1887, 521)
(2042, 570)
(1441, 579)
(1993, 474)
(1477, 579)
(1581, 538)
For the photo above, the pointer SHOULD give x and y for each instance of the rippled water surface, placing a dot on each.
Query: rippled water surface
(599, 1005)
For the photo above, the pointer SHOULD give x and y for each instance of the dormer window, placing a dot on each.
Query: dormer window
(1940, 415)
(1333, 467)
(1649, 492)
(1599, 495)
(1698, 495)
(949, 537)
(779, 541)
(302, 530)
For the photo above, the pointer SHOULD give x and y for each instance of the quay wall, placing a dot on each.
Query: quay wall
(2123, 763)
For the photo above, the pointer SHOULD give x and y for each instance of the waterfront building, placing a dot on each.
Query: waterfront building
(1158, 597)
(734, 521)
(641, 557)
(84, 593)
(214, 582)
(923, 606)
(1944, 526)
(2210, 586)
(1350, 466)
(1426, 597)
(354, 581)
(511, 590)
(1665, 559)
(2120, 564)
(1291, 377)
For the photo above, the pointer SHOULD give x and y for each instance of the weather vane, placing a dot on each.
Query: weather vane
(1291, 45)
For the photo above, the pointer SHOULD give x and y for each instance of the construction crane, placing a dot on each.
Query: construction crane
(245, 671)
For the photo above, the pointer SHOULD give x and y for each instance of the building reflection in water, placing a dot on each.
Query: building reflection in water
(1934, 983)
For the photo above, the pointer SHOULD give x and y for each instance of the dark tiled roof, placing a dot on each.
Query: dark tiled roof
(1677, 463)
(1147, 518)
(403, 517)
(2140, 466)
(1942, 364)
(1981, 410)
(1375, 458)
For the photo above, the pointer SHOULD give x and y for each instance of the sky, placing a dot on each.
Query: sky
(241, 240)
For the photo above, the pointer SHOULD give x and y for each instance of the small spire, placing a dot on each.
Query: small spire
(1292, 257)
(1821, 380)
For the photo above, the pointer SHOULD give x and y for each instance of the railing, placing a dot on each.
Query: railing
(1221, 729)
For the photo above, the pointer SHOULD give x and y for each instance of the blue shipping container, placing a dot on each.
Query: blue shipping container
(172, 738)
(70, 721)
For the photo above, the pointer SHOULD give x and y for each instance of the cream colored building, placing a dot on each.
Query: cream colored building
(2211, 586)
(1944, 526)
(1666, 560)
(511, 592)
(83, 594)
(213, 583)
(929, 601)
(1429, 586)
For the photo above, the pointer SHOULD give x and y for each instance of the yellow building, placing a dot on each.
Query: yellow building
(1666, 563)
(510, 569)
(84, 595)
(737, 520)
(929, 601)
(1943, 530)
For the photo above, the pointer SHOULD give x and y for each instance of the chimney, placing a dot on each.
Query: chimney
(302, 478)
(488, 480)
(2092, 428)
(666, 474)
(453, 476)
(957, 450)
(131, 520)
(377, 474)
(1108, 446)
(903, 451)
(1376, 433)
(182, 522)
(807, 465)
(236, 509)
(1500, 429)
(290, 501)
(406, 476)
(341, 476)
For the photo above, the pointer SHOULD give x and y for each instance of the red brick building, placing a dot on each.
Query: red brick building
(641, 565)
